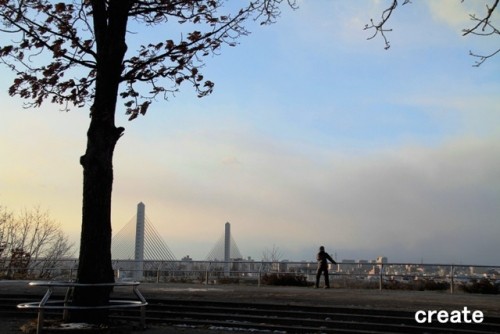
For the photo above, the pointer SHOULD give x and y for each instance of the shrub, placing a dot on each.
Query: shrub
(284, 279)
(484, 286)
(418, 285)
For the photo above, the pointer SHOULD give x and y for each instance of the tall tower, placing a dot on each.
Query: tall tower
(227, 242)
(227, 247)
(139, 241)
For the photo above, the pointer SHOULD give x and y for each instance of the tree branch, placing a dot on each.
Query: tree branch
(483, 27)
(379, 28)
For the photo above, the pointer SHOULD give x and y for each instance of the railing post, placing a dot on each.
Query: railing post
(381, 277)
(72, 270)
(206, 274)
(260, 270)
(158, 272)
(452, 282)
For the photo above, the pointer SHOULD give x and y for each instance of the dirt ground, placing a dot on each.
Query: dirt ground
(358, 298)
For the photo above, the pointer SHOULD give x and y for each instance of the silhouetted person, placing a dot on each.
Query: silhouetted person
(323, 259)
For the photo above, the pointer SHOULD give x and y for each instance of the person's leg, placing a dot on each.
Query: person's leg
(327, 279)
(318, 276)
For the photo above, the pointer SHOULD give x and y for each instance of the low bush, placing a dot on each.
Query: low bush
(418, 285)
(484, 286)
(284, 279)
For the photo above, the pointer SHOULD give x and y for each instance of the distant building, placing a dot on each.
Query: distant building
(362, 264)
(377, 268)
(374, 271)
(347, 265)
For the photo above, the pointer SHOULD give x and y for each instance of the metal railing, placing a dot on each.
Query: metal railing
(352, 275)
(66, 304)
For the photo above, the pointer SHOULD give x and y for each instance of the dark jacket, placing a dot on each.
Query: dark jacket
(323, 258)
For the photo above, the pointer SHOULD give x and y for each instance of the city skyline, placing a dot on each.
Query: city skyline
(155, 247)
(313, 136)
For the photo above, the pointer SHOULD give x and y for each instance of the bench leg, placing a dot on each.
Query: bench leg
(67, 297)
(143, 317)
(39, 325)
(143, 308)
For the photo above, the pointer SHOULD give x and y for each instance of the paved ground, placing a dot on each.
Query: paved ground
(363, 298)
(360, 298)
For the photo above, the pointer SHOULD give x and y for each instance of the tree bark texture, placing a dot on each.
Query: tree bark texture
(110, 21)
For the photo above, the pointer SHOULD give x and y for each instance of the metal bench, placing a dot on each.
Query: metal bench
(46, 304)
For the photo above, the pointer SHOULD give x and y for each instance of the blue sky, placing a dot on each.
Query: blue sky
(313, 135)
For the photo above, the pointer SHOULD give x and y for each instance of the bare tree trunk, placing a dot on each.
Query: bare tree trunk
(110, 21)
(95, 243)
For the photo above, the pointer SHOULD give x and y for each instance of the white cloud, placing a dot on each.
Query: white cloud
(452, 12)
(457, 14)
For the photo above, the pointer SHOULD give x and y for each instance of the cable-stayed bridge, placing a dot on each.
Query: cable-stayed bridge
(128, 239)
(139, 243)
(226, 248)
